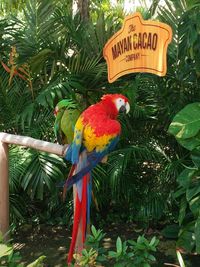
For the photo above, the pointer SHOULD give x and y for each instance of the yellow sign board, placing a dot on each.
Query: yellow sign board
(140, 46)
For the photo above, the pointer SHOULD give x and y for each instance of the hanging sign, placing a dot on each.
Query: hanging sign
(140, 46)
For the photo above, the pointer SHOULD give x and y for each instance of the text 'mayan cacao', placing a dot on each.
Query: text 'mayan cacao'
(139, 46)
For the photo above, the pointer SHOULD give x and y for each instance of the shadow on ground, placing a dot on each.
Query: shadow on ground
(54, 241)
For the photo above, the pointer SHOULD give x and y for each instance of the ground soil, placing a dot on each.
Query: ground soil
(53, 242)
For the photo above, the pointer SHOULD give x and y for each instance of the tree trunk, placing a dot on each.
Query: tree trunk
(4, 190)
(83, 9)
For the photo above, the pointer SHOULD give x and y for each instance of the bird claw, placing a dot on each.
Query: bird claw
(104, 159)
(64, 150)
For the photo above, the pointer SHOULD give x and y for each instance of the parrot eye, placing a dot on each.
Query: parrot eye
(119, 103)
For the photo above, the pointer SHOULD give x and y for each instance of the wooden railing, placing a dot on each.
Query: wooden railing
(5, 140)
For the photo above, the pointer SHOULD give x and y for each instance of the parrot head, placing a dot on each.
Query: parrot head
(115, 104)
(65, 103)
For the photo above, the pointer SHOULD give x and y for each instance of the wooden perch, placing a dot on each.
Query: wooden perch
(5, 140)
(33, 143)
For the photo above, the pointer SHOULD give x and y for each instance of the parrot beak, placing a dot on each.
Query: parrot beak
(125, 108)
(55, 111)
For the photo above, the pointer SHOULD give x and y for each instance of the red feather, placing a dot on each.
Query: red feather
(80, 224)
(102, 116)
(84, 207)
(77, 217)
(98, 120)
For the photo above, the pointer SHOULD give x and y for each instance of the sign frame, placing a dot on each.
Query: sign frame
(112, 51)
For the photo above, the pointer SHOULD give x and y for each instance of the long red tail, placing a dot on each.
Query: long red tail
(80, 220)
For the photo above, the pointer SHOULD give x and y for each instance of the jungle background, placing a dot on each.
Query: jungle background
(150, 183)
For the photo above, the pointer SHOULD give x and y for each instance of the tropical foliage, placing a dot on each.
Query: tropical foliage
(10, 258)
(47, 53)
(185, 128)
(128, 253)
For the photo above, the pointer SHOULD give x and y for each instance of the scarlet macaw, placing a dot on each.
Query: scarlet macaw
(96, 133)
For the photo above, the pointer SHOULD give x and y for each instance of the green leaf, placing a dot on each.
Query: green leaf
(94, 231)
(1, 237)
(186, 126)
(186, 238)
(190, 143)
(186, 123)
(101, 258)
(120, 264)
(153, 240)
(195, 155)
(5, 250)
(180, 259)
(197, 234)
(194, 205)
(37, 61)
(182, 211)
(151, 258)
(42, 171)
(185, 177)
(112, 254)
(191, 192)
(171, 231)
(38, 262)
(179, 192)
(119, 245)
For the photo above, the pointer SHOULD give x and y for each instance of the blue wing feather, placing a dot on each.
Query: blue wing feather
(93, 159)
(75, 148)
(89, 193)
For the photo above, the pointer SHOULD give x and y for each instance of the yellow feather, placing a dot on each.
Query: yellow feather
(89, 138)
(91, 141)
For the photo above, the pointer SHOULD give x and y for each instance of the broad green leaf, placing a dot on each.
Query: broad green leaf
(191, 192)
(194, 205)
(185, 177)
(186, 123)
(195, 155)
(197, 234)
(5, 250)
(186, 240)
(190, 143)
(179, 192)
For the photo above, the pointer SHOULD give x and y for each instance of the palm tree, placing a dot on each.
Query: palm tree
(45, 57)
(60, 56)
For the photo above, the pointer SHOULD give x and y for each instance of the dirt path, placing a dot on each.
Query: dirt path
(53, 242)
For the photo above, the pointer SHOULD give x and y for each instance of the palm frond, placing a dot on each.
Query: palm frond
(17, 157)
(17, 207)
(42, 174)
